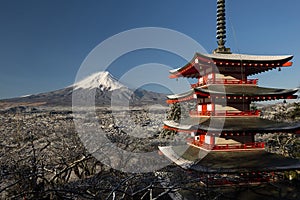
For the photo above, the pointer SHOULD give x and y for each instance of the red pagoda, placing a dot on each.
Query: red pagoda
(222, 126)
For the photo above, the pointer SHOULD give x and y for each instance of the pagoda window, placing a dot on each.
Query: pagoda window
(209, 139)
(209, 107)
(210, 76)
(199, 108)
(201, 80)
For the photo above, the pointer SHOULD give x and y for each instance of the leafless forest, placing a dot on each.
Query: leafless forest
(42, 157)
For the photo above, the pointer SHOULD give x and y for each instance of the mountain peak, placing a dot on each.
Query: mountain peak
(102, 80)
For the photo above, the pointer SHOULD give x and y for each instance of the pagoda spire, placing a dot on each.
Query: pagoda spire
(221, 28)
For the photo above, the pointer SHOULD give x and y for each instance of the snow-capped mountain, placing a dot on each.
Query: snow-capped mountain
(102, 80)
(102, 84)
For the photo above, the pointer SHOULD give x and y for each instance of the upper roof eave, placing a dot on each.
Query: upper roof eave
(246, 57)
(235, 91)
(245, 91)
(232, 124)
(182, 95)
(280, 60)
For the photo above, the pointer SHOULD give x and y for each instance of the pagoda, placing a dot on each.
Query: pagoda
(222, 126)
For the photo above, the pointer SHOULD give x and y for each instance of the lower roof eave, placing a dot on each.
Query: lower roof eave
(174, 157)
(254, 93)
(232, 124)
(199, 160)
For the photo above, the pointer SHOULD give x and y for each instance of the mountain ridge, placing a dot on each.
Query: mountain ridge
(101, 84)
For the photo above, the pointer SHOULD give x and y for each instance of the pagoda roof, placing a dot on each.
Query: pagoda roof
(224, 62)
(186, 95)
(249, 91)
(240, 90)
(246, 57)
(232, 124)
(197, 159)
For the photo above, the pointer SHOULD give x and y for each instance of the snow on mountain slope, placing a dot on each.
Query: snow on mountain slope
(102, 80)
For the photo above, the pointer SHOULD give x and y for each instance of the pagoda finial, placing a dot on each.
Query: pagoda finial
(221, 28)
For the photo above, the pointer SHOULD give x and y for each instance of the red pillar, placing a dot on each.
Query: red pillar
(202, 138)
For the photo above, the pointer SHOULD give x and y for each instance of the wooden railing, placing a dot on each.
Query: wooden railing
(254, 145)
(196, 142)
(226, 147)
(232, 81)
(198, 114)
(227, 81)
(197, 85)
(250, 113)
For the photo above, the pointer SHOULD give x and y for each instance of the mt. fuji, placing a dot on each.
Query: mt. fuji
(102, 80)
(104, 85)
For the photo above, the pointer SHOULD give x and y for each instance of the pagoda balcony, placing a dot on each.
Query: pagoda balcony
(227, 147)
(255, 145)
(227, 82)
(227, 113)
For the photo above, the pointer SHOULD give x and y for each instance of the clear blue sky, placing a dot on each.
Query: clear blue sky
(43, 43)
